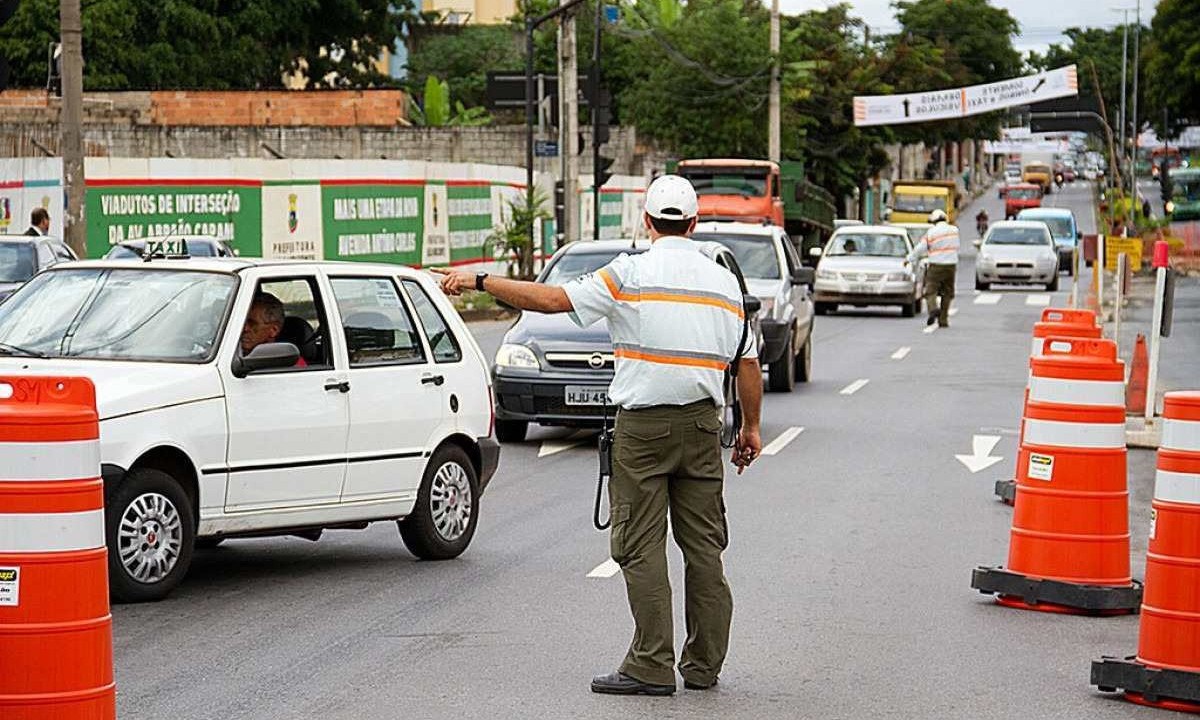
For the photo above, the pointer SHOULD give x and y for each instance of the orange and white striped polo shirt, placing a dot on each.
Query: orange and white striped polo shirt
(675, 318)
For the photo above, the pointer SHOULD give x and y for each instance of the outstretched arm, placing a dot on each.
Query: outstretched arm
(518, 293)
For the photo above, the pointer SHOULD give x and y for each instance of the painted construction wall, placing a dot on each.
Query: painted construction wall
(28, 183)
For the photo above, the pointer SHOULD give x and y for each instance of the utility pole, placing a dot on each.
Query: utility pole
(1124, 71)
(599, 116)
(568, 123)
(1137, 35)
(773, 123)
(71, 124)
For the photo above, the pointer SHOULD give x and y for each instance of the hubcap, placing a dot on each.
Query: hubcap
(450, 501)
(150, 538)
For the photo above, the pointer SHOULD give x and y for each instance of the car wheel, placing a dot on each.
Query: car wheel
(908, 309)
(781, 375)
(150, 530)
(208, 543)
(511, 431)
(443, 521)
(981, 285)
(821, 308)
(1052, 286)
(804, 361)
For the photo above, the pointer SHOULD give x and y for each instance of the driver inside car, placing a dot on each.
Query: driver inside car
(264, 323)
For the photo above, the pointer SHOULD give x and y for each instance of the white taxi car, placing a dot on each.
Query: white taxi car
(372, 402)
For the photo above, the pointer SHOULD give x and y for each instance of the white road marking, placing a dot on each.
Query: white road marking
(930, 329)
(553, 447)
(1038, 300)
(855, 386)
(782, 441)
(901, 353)
(981, 449)
(988, 299)
(606, 569)
(953, 312)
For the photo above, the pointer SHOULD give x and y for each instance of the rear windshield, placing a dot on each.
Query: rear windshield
(918, 203)
(748, 183)
(17, 262)
(1060, 227)
(1024, 193)
(576, 264)
(1017, 236)
(755, 253)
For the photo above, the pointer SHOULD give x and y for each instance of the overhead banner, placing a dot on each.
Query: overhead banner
(1014, 147)
(962, 102)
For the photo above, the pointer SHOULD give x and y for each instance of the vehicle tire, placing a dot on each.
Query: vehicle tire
(821, 308)
(1052, 286)
(511, 431)
(804, 361)
(981, 285)
(443, 521)
(908, 309)
(150, 531)
(208, 543)
(781, 375)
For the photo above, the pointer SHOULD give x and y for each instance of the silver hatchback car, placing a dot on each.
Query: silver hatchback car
(1017, 251)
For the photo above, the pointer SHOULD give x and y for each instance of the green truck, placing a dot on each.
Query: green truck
(1183, 201)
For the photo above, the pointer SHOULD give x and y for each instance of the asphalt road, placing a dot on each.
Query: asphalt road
(850, 561)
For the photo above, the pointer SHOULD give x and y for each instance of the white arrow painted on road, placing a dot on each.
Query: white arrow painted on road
(982, 458)
(552, 447)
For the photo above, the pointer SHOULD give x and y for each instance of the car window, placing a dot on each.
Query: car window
(303, 323)
(122, 252)
(441, 339)
(571, 265)
(63, 253)
(45, 256)
(1060, 227)
(378, 328)
(789, 253)
(872, 244)
(755, 253)
(18, 262)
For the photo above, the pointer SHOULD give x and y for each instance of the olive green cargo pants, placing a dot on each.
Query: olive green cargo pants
(939, 283)
(670, 457)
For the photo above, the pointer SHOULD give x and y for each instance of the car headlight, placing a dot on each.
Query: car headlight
(516, 356)
(901, 276)
(1169, 207)
(823, 274)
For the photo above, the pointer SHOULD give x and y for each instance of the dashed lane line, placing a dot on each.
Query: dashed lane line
(782, 441)
(901, 353)
(988, 298)
(855, 386)
(553, 447)
(1038, 300)
(606, 569)
(930, 329)
(953, 312)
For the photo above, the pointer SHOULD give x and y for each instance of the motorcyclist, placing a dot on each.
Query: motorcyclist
(981, 222)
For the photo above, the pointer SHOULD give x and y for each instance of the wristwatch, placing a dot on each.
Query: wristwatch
(479, 278)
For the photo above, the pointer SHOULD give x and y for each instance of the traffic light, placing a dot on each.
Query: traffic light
(603, 170)
(7, 8)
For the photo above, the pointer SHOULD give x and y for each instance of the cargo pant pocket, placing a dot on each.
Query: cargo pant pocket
(616, 540)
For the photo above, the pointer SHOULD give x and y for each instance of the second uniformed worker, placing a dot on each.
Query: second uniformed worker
(676, 322)
(940, 243)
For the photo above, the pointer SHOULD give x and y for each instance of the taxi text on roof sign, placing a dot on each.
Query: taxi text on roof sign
(961, 102)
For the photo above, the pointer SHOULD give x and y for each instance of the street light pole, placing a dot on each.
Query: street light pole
(70, 21)
(774, 151)
(1137, 36)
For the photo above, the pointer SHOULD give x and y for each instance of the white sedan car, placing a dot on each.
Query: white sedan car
(362, 398)
(1017, 251)
(865, 265)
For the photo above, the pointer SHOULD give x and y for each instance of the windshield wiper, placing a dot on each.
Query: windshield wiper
(9, 349)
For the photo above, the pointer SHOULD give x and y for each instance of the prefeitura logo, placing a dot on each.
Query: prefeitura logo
(293, 218)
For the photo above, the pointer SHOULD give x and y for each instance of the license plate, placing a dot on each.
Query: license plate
(863, 289)
(585, 395)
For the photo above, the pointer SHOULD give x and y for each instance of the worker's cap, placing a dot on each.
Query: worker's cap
(671, 197)
(937, 216)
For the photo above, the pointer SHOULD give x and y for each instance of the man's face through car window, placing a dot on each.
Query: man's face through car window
(260, 327)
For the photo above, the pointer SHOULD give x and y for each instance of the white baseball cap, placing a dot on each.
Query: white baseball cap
(671, 197)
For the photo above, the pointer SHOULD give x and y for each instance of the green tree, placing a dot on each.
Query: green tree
(1172, 68)
(463, 55)
(1100, 47)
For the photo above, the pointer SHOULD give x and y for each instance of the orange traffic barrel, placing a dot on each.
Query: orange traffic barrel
(1069, 545)
(1166, 671)
(55, 627)
(1055, 322)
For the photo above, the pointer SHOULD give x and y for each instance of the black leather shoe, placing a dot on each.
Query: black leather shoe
(699, 686)
(621, 684)
(931, 319)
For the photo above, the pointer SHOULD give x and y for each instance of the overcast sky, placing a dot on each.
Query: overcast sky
(1039, 28)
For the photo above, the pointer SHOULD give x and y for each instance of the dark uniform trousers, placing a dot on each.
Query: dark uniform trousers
(939, 283)
(669, 457)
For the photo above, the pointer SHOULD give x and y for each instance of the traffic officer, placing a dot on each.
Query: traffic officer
(940, 244)
(676, 320)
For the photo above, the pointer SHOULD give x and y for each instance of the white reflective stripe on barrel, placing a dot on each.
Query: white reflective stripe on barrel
(1180, 435)
(1078, 435)
(1036, 348)
(25, 461)
(51, 532)
(1077, 392)
(1177, 487)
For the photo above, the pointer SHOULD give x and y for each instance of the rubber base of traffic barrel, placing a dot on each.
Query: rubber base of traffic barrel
(1169, 689)
(1029, 593)
(1006, 490)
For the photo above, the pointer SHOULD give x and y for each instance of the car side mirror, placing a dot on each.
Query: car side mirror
(751, 303)
(1078, 234)
(814, 252)
(268, 356)
(804, 276)
(977, 243)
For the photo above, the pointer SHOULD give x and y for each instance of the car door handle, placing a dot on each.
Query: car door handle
(342, 386)
(433, 380)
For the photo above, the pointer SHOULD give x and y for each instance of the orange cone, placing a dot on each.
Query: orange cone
(55, 627)
(1055, 322)
(1166, 671)
(1069, 547)
(1139, 378)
